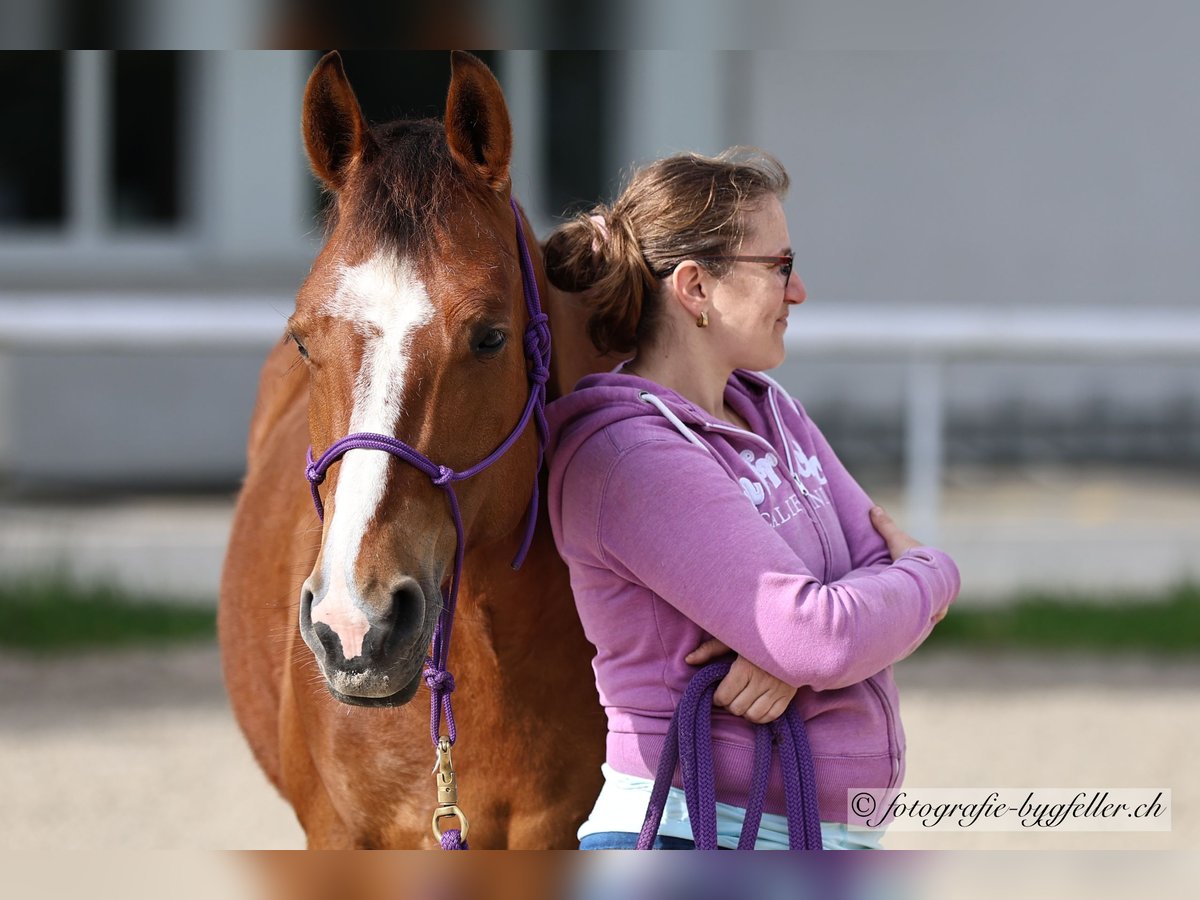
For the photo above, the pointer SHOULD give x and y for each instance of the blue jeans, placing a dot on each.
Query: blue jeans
(834, 836)
(627, 840)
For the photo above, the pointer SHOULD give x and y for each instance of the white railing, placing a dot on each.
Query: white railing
(925, 340)
(128, 322)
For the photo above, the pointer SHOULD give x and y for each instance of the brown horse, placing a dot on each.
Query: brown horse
(409, 324)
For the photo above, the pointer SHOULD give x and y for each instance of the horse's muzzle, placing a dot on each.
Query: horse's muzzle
(404, 695)
(371, 651)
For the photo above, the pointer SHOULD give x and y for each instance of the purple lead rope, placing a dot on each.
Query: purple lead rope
(689, 742)
(537, 352)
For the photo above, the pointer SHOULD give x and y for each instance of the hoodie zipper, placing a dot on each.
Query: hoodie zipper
(806, 497)
(789, 462)
(822, 534)
(880, 694)
(893, 740)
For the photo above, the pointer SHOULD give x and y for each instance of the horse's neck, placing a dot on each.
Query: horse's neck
(572, 354)
(514, 607)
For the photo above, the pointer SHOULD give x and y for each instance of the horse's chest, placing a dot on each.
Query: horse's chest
(384, 786)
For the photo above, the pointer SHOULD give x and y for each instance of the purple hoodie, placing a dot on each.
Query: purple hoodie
(762, 540)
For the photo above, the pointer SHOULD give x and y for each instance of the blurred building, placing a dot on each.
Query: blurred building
(157, 217)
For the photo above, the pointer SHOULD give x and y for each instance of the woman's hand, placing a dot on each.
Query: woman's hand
(747, 690)
(897, 541)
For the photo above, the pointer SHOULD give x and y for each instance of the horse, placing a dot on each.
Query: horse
(405, 327)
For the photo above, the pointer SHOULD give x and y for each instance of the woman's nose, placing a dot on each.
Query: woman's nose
(796, 292)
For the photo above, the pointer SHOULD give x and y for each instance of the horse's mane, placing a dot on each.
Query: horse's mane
(404, 190)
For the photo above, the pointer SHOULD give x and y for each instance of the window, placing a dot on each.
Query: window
(577, 125)
(32, 159)
(91, 141)
(145, 136)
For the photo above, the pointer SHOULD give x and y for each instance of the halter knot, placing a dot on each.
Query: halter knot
(438, 679)
(537, 347)
(443, 477)
(311, 472)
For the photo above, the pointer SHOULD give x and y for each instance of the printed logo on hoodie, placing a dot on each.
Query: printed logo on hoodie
(770, 480)
(809, 466)
(765, 467)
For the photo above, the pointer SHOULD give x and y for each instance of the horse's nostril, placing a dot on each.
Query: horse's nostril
(332, 644)
(306, 606)
(324, 634)
(407, 607)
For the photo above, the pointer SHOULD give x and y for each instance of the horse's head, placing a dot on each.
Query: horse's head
(410, 324)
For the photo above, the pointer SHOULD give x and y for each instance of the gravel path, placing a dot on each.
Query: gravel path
(130, 751)
(139, 751)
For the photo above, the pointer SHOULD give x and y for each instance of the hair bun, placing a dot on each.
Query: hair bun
(571, 257)
(601, 238)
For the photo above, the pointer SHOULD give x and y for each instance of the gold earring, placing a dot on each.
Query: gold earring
(702, 319)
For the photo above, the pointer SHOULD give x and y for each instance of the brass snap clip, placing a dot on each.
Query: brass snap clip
(447, 790)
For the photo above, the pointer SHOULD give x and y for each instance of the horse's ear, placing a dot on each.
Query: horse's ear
(334, 128)
(477, 125)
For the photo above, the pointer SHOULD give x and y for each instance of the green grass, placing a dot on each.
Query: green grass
(50, 615)
(1161, 624)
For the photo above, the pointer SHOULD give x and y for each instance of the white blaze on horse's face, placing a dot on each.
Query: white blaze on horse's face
(385, 302)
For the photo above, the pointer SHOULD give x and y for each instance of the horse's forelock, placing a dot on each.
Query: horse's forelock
(407, 189)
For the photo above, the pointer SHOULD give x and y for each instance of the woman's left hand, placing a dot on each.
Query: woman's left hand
(747, 690)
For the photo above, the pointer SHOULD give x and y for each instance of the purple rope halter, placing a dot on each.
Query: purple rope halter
(537, 352)
(689, 742)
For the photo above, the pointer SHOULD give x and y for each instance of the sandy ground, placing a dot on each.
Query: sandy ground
(139, 751)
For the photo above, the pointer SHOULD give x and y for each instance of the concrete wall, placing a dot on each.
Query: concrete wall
(87, 419)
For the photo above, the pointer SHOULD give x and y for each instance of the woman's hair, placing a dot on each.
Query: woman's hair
(681, 207)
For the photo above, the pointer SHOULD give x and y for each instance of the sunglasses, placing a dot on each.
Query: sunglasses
(783, 262)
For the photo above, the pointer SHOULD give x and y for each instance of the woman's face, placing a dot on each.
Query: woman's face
(750, 302)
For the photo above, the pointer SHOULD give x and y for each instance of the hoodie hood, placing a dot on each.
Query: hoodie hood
(601, 399)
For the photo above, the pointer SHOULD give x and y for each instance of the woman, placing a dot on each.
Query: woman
(700, 510)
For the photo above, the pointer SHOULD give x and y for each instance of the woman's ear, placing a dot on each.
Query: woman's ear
(691, 285)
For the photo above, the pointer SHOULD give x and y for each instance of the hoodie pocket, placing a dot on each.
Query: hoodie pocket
(889, 713)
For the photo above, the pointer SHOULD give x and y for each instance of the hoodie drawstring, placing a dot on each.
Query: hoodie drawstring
(673, 419)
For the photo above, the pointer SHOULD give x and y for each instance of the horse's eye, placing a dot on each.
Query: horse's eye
(492, 341)
(299, 346)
